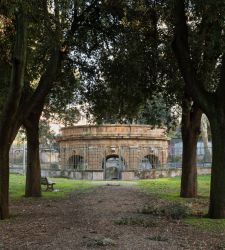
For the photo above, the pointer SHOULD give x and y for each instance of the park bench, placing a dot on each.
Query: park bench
(49, 184)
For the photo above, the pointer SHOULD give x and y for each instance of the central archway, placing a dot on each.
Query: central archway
(113, 165)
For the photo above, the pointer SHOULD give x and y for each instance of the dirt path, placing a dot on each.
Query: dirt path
(98, 220)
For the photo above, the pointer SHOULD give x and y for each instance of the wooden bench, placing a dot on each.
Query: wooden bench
(49, 184)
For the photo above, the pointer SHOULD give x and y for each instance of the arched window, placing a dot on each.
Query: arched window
(76, 162)
(149, 161)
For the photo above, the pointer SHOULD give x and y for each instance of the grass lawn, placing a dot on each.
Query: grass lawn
(62, 187)
(163, 188)
(169, 188)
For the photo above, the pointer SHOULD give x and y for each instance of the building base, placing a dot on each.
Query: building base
(98, 175)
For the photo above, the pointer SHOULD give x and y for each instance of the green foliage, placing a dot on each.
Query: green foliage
(47, 137)
(155, 112)
(63, 99)
(52, 26)
(6, 41)
(20, 137)
(207, 40)
(136, 79)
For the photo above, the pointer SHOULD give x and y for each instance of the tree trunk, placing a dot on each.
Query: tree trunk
(217, 191)
(4, 182)
(33, 172)
(211, 103)
(6, 139)
(191, 122)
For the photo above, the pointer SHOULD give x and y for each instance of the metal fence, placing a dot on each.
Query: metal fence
(101, 157)
(98, 158)
(204, 154)
(49, 157)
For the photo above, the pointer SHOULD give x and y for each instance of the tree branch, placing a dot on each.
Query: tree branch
(182, 52)
(77, 21)
(17, 74)
(45, 84)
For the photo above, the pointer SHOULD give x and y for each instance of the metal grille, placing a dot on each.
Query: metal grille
(89, 157)
(49, 157)
(126, 158)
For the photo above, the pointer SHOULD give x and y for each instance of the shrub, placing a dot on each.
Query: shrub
(101, 242)
(174, 211)
(157, 211)
(177, 211)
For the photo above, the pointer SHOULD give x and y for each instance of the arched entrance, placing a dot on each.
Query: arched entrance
(113, 165)
(149, 161)
(76, 162)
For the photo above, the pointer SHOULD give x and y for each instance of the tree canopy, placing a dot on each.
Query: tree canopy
(134, 68)
(121, 51)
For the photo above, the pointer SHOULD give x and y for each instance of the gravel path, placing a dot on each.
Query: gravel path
(106, 217)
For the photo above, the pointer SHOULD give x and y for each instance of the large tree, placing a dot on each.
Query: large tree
(27, 91)
(135, 67)
(127, 64)
(199, 48)
(72, 22)
(55, 29)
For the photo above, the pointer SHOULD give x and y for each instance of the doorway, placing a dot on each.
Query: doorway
(113, 165)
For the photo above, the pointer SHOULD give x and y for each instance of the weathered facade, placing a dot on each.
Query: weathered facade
(111, 151)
